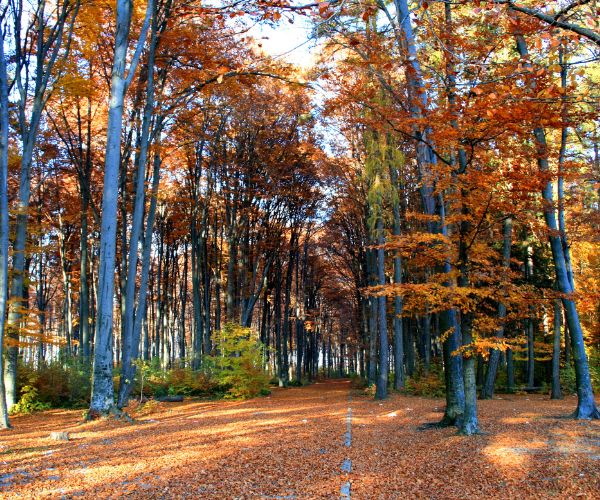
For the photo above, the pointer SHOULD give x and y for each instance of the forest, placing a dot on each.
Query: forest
(404, 225)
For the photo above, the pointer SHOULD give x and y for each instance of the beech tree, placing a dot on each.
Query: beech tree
(420, 206)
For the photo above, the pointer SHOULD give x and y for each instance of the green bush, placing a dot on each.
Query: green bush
(58, 384)
(358, 382)
(152, 381)
(429, 385)
(238, 362)
(29, 402)
(568, 381)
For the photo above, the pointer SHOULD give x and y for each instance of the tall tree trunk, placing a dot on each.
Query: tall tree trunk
(4, 228)
(49, 35)
(141, 310)
(556, 391)
(586, 404)
(382, 379)
(372, 375)
(399, 376)
(469, 424)
(130, 344)
(487, 391)
(102, 400)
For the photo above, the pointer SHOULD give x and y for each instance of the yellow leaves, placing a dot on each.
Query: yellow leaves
(556, 68)
(446, 335)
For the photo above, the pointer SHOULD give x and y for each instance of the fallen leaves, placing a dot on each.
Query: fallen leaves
(291, 446)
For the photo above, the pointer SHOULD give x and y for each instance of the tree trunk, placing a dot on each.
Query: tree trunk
(487, 391)
(4, 227)
(556, 391)
(586, 404)
(382, 380)
(102, 400)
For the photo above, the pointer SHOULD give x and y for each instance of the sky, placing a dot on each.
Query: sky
(288, 42)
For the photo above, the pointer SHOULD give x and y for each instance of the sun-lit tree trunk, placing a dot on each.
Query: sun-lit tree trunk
(52, 38)
(418, 98)
(4, 228)
(586, 404)
(102, 399)
(130, 341)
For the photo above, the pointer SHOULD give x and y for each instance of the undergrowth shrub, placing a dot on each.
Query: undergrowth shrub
(358, 382)
(29, 402)
(568, 379)
(153, 381)
(238, 362)
(427, 384)
(56, 384)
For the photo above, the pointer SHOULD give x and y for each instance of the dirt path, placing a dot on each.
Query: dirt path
(309, 442)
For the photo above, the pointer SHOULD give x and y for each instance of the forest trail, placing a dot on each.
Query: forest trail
(309, 442)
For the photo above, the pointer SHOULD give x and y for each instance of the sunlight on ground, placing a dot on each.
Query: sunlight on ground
(291, 445)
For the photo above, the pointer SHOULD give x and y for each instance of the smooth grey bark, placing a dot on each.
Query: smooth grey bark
(4, 228)
(372, 363)
(384, 365)
(529, 331)
(586, 403)
(418, 102)
(487, 391)
(556, 392)
(510, 371)
(49, 34)
(102, 399)
(453, 364)
(562, 156)
(469, 424)
(399, 376)
(140, 310)
(129, 345)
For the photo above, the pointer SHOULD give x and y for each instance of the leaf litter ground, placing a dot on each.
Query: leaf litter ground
(291, 445)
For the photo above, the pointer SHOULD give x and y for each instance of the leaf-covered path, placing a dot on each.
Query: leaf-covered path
(293, 445)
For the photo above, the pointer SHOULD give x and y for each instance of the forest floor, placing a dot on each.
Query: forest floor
(309, 442)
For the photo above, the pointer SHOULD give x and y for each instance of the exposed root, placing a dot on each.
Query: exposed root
(113, 412)
(579, 414)
(469, 430)
(446, 421)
